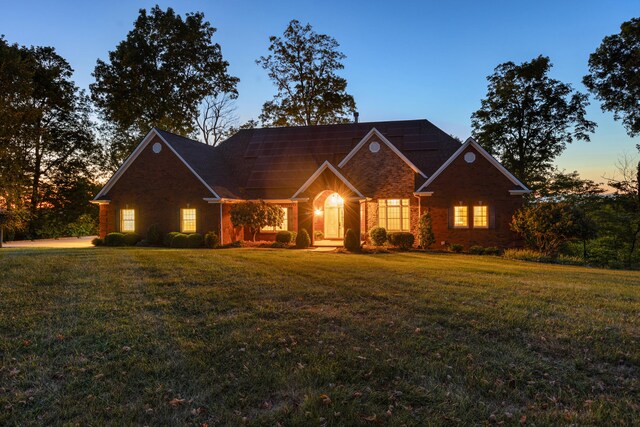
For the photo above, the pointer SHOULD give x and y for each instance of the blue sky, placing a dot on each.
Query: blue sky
(405, 60)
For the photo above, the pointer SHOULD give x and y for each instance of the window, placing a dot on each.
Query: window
(127, 220)
(188, 220)
(480, 217)
(284, 225)
(460, 217)
(393, 214)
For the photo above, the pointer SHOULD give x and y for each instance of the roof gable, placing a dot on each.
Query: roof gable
(472, 142)
(316, 174)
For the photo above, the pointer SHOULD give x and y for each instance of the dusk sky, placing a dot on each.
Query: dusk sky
(405, 60)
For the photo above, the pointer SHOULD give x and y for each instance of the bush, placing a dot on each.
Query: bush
(477, 250)
(180, 241)
(302, 239)
(211, 240)
(84, 225)
(492, 250)
(279, 245)
(283, 237)
(194, 240)
(351, 241)
(457, 248)
(426, 237)
(378, 235)
(97, 241)
(169, 237)
(294, 234)
(114, 239)
(236, 244)
(536, 256)
(318, 235)
(154, 235)
(130, 239)
(402, 239)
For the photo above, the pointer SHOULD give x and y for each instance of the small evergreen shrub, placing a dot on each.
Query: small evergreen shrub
(97, 241)
(455, 247)
(194, 240)
(211, 240)
(426, 237)
(283, 237)
(130, 239)
(169, 237)
(154, 235)
(318, 235)
(114, 239)
(294, 234)
(402, 239)
(492, 250)
(351, 242)
(378, 236)
(180, 241)
(302, 239)
(477, 250)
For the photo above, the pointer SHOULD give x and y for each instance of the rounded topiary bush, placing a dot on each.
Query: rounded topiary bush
(180, 241)
(476, 250)
(378, 236)
(283, 237)
(492, 250)
(169, 237)
(114, 239)
(154, 235)
(194, 240)
(97, 241)
(303, 240)
(130, 239)
(211, 240)
(457, 248)
(402, 239)
(351, 241)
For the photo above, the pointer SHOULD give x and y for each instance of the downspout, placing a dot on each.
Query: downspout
(221, 241)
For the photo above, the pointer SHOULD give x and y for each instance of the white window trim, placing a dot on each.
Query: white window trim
(401, 206)
(454, 217)
(480, 227)
(195, 220)
(122, 221)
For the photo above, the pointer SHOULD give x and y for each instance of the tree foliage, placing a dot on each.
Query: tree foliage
(614, 75)
(425, 231)
(528, 118)
(256, 215)
(303, 65)
(158, 76)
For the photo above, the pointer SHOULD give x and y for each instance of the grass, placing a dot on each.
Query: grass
(258, 336)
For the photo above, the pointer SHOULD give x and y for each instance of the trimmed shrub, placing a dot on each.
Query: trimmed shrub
(492, 250)
(194, 240)
(426, 237)
(169, 237)
(283, 237)
(477, 250)
(455, 247)
(97, 241)
(279, 245)
(294, 234)
(236, 244)
(302, 239)
(154, 235)
(180, 241)
(130, 239)
(318, 235)
(351, 242)
(211, 240)
(378, 235)
(402, 239)
(114, 239)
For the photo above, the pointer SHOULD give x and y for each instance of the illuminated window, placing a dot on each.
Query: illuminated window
(127, 220)
(283, 225)
(393, 214)
(188, 220)
(460, 217)
(480, 217)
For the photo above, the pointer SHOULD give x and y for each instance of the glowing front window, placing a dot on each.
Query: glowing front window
(393, 214)
(188, 220)
(127, 220)
(460, 216)
(284, 225)
(480, 217)
(334, 200)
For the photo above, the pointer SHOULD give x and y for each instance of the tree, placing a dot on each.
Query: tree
(614, 75)
(303, 64)
(425, 231)
(546, 226)
(565, 186)
(255, 216)
(217, 118)
(158, 76)
(527, 118)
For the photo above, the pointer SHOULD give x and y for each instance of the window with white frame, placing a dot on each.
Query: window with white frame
(460, 217)
(284, 225)
(480, 217)
(393, 214)
(127, 220)
(188, 220)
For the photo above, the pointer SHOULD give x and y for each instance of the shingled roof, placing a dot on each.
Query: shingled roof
(271, 163)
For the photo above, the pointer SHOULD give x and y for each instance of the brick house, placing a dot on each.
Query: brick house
(327, 179)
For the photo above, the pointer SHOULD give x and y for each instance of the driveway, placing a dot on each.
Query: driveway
(63, 242)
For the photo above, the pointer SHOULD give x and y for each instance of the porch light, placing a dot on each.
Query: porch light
(318, 212)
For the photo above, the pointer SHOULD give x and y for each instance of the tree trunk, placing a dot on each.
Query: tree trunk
(1, 235)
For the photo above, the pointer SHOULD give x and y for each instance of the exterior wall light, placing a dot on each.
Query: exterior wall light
(318, 212)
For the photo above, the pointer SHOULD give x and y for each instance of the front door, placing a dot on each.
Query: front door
(334, 217)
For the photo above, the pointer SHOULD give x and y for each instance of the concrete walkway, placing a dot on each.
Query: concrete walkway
(63, 242)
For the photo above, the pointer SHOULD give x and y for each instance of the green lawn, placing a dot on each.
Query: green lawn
(154, 336)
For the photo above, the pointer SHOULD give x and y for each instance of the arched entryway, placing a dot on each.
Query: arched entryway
(328, 221)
